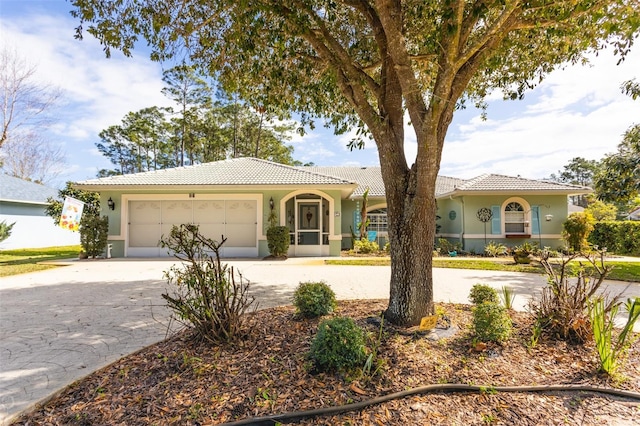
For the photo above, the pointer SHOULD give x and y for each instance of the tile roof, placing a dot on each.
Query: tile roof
(255, 172)
(494, 182)
(445, 184)
(20, 190)
(366, 177)
(236, 171)
(371, 177)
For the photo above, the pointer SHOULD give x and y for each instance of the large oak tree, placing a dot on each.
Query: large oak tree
(367, 63)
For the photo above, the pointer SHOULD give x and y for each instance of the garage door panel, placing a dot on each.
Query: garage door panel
(144, 212)
(235, 219)
(144, 235)
(240, 235)
(208, 211)
(242, 211)
(212, 231)
(177, 212)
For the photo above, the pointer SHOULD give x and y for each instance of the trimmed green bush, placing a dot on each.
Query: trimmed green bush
(365, 246)
(314, 299)
(576, 230)
(278, 240)
(93, 234)
(491, 323)
(620, 237)
(481, 293)
(339, 346)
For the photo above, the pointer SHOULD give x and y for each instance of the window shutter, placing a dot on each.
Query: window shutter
(495, 220)
(535, 220)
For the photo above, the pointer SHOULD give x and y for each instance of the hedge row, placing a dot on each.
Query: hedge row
(619, 237)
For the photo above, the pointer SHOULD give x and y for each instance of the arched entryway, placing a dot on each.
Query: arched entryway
(308, 216)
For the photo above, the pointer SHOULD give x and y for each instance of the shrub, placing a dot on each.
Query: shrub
(278, 240)
(5, 230)
(481, 293)
(338, 346)
(314, 299)
(576, 230)
(507, 296)
(494, 249)
(522, 253)
(365, 246)
(445, 246)
(562, 309)
(620, 237)
(612, 353)
(491, 323)
(207, 296)
(93, 234)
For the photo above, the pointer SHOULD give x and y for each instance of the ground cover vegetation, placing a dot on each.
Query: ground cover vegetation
(229, 365)
(285, 362)
(365, 64)
(20, 261)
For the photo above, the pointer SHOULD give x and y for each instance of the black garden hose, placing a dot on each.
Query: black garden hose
(299, 415)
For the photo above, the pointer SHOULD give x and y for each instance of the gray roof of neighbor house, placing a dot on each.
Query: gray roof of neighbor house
(18, 190)
(233, 172)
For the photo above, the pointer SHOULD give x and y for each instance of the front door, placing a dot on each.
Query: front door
(310, 236)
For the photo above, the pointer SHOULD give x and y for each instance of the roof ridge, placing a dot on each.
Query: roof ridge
(473, 181)
(302, 169)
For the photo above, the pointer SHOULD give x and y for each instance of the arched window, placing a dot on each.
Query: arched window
(515, 218)
(377, 220)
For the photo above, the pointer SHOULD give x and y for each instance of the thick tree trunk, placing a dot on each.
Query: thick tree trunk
(411, 211)
(412, 234)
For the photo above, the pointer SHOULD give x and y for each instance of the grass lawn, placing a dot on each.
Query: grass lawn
(13, 262)
(622, 271)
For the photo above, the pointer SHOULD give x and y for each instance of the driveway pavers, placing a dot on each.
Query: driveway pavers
(57, 326)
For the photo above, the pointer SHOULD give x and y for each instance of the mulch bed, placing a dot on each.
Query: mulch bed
(185, 383)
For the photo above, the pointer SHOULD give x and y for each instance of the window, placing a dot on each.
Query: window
(515, 219)
(377, 220)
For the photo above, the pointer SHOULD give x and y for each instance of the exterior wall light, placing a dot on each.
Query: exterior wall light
(111, 204)
(271, 203)
(548, 217)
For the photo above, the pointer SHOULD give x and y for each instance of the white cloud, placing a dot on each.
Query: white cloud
(579, 111)
(96, 92)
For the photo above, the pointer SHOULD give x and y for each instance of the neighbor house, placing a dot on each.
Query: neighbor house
(634, 215)
(24, 203)
(320, 205)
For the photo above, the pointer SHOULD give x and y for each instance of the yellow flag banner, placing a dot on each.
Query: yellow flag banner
(71, 214)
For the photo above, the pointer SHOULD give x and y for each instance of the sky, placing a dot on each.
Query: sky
(576, 112)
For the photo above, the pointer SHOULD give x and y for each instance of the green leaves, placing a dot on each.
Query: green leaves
(612, 352)
(619, 175)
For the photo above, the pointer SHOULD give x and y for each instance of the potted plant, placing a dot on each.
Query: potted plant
(522, 253)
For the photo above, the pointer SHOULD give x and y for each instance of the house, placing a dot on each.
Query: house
(24, 203)
(634, 215)
(320, 205)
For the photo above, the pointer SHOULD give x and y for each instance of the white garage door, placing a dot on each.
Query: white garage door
(235, 219)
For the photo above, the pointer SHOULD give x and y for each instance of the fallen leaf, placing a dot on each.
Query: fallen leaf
(354, 387)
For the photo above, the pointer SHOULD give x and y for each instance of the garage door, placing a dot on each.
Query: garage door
(235, 219)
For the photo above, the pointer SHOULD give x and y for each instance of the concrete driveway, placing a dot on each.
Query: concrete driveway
(57, 326)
